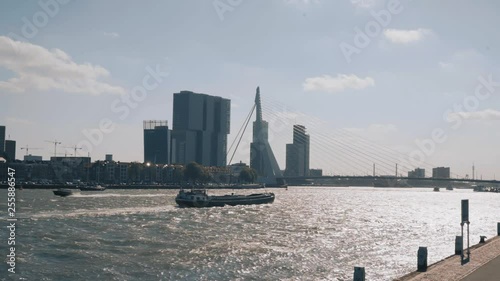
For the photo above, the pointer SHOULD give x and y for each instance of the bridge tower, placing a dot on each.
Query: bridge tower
(261, 155)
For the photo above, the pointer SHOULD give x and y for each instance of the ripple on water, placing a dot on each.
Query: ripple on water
(306, 234)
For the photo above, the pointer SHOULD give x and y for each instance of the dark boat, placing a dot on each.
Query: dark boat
(200, 198)
(63, 192)
(92, 188)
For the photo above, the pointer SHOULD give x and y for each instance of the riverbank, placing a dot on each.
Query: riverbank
(137, 186)
(481, 266)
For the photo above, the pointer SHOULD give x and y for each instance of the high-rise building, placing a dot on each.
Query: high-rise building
(10, 149)
(261, 155)
(156, 142)
(297, 153)
(200, 127)
(417, 173)
(2, 139)
(441, 172)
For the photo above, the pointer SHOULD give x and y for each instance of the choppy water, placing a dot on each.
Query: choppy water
(308, 233)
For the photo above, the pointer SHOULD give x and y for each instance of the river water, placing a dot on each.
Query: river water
(308, 233)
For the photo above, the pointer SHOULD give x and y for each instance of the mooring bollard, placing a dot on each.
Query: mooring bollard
(459, 245)
(359, 274)
(422, 259)
(498, 228)
(482, 239)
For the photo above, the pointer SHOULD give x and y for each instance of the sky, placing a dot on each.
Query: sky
(414, 83)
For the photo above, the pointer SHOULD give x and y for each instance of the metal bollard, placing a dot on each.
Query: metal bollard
(498, 228)
(482, 239)
(459, 245)
(359, 274)
(422, 259)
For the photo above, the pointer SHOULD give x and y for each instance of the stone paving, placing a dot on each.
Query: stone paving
(451, 269)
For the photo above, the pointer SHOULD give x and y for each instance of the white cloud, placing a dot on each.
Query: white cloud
(296, 2)
(487, 114)
(446, 65)
(365, 4)
(19, 121)
(329, 84)
(111, 34)
(401, 36)
(40, 69)
(464, 59)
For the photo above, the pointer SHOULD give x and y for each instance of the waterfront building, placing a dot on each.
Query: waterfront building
(69, 168)
(261, 155)
(10, 149)
(200, 127)
(32, 158)
(297, 153)
(316, 172)
(441, 172)
(157, 142)
(235, 170)
(417, 173)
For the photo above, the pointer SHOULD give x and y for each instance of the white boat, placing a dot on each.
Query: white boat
(96, 187)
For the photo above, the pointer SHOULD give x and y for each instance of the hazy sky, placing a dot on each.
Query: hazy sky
(393, 72)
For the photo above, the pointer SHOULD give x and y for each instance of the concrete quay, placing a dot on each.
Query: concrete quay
(484, 265)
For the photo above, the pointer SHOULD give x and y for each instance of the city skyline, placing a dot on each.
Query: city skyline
(418, 74)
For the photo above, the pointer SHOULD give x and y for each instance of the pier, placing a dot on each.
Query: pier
(484, 265)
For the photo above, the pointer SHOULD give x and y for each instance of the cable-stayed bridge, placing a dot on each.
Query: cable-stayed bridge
(346, 154)
(394, 178)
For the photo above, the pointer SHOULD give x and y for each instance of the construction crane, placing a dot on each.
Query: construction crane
(28, 148)
(55, 142)
(75, 148)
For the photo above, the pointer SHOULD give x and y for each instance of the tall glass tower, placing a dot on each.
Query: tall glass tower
(297, 153)
(156, 142)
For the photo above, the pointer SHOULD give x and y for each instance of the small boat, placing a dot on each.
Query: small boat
(479, 188)
(200, 198)
(63, 192)
(436, 189)
(92, 188)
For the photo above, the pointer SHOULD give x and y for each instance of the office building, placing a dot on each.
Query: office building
(200, 127)
(156, 142)
(441, 172)
(417, 173)
(297, 153)
(10, 149)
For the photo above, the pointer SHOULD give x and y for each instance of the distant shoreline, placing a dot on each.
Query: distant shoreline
(56, 186)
